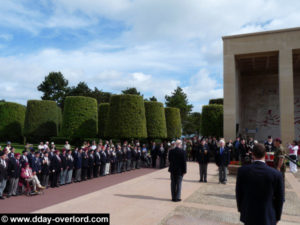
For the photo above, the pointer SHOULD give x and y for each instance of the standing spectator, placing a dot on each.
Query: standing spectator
(194, 149)
(113, 160)
(103, 162)
(269, 145)
(14, 172)
(244, 154)
(91, 164)
(97, 161)
(119, 159)
(67, 146)
(70, 166)
(41, 146)
(161, 153)
(259, 191)
(279, 163)
(138, 158)
(124, 150)
(222, 161)
(45, 170)
(108, 157)
(84, 164)
(128, 158)
(293, 155)
(134, 155)
(63, 172)
(77, 155)
(153, 154)
(55, 168)
(24, 158)
(236, 145)
(12, 153)
(229, 145)
(37, 165)
(177, 168)
(203, 160)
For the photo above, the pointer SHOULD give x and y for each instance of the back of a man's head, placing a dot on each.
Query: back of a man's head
(259, 151)
(178, 143)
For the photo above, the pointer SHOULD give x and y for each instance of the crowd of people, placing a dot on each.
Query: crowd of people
(44, 167)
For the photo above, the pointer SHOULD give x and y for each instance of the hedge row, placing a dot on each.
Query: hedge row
(102, 119)
(156, 120)
(218, 101)
(80, 117)
(212, 120)
(126, 117)
(41, 120)
(173, 122)
(12, 116)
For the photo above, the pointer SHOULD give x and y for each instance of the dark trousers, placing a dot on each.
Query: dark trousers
(90, 172)
(162, 162)
(83, 173)
(54, 180)
(96, 170)
(176, 181)
(203, 171)
(119, 166)
(113, 167)
(102, 169)
(153, 161)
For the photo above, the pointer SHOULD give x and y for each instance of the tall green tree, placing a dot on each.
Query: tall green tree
(178, 99)
(100, 96)
(193, 124)
(131, 91)
(82, 89)
(54, 87)
(153, 99)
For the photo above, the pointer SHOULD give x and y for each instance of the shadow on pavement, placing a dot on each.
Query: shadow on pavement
(143, 197)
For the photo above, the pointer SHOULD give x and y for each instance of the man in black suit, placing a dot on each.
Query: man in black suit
(3, 172)
(55, 168)
(222, 160)
(202, 155)
(259, 191)
(14, 172)
(177, 168)
(153, 153)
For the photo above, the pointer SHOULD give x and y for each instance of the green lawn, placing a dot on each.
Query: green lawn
(20, 147)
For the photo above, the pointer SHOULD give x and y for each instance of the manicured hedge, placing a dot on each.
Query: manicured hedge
(173, 122)
(156, 120)
(126, 117)
(59, 111)
(12, 116)
(80, 117)
(102, 118)
(218, 101)
(41, 120)
(212, 120)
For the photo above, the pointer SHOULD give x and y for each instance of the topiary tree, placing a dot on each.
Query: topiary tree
(173, 121)
(212, 120)
(80, 117)
(59, 112)
(102, 118)
(126, 117)
(156, 120)
(41, 120)
(12, 116)
(218, 101)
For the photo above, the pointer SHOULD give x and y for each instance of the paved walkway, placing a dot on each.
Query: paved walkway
(146, 200)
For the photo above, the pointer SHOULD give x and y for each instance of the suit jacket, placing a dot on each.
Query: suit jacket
(85, 160)
(259, 194)
(14, 168)
(77, 160)
(97, 156)
(222, 159)
(36, 164)
(55, 164)
(177, 159)
(202, 158)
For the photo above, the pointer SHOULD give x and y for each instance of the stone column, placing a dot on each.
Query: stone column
(230, 90)
(286, 96)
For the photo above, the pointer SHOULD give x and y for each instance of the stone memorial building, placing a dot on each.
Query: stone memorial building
(262, 85)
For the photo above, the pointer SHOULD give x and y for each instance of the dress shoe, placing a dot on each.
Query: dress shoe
(178, 200)
(8, 196)
(205, 181)
(173, 200)
(1, 197)
(200, 180)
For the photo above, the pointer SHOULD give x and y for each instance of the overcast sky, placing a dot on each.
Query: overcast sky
(153, 45)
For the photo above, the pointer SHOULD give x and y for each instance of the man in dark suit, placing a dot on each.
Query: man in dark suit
(222, 160)
(259, 191)
(177, 168)
(3, 172)
(14, 172)
(202, 155)
(55, 168)
(153, 153)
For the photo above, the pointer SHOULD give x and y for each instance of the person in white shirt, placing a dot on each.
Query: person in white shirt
(67, 146)
(293, 155)
(41, 146)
